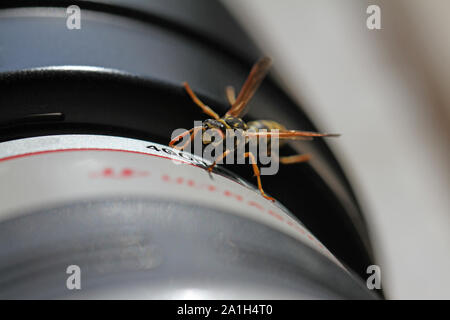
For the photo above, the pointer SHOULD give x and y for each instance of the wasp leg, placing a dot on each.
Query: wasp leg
(295, 159)
(177, 138)
(257, 174)
(223, 155)
(193, 135)
(197, 101)
(231, 94)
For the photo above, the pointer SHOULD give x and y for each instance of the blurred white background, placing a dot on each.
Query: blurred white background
(387, 91)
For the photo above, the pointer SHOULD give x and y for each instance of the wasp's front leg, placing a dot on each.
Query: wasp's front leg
(210, 112)
(219, 158)
(178, 138)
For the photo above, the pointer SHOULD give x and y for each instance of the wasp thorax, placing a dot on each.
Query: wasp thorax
(235, 123)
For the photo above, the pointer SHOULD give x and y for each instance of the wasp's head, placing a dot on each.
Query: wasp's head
(213, 131)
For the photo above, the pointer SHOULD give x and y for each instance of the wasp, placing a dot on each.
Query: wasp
(233, 120)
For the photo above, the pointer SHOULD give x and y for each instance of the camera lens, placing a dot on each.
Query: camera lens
(89, 183)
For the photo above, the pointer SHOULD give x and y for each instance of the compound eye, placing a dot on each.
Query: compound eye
(211, 123)
(220, 125)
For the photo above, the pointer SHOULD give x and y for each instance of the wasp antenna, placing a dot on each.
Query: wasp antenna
(332, 134)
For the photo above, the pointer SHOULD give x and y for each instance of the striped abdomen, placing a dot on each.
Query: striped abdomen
(266, 125)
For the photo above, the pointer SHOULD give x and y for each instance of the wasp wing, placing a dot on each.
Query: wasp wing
(254, 79)
(290, 134)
